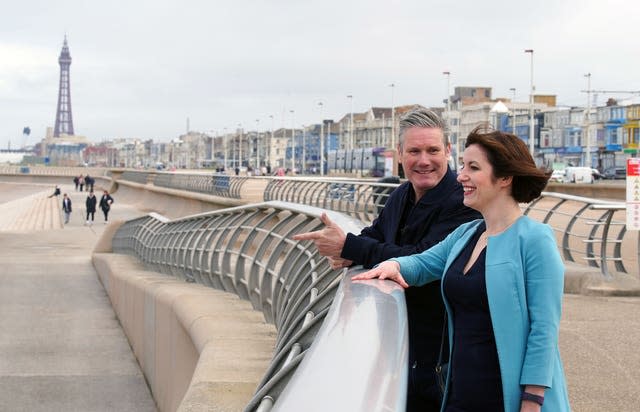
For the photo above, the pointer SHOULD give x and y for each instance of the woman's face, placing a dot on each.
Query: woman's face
(480, 186)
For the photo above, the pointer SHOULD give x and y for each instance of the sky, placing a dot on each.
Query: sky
(149, 69)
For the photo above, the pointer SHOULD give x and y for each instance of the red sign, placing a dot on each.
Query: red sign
(633, 167)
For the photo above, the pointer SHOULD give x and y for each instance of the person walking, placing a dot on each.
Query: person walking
(89, 181)
(56, 192)
(90, 203)
(76, 181)
(81, 182)
(417, 215)
(105, 204)
(66, 208)
(502, 283)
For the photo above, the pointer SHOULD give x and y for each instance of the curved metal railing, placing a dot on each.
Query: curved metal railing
(212, 184)
(360, 199)
(248, 251)
(135, 176)
(590, 231)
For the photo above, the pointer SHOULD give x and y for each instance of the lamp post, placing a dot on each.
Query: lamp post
(293, 140)
(448, 96)
(531, 142)
(350, 97)
(513, 108)
(587, 120)
(393, 119)
(224, 142)
(270, 143)
(257, 145)
(303, 167)
(240, 147)
(321, 140)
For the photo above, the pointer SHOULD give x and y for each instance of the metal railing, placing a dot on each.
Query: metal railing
(248, 251)
(589, 231)
(212, 184)
(53, 170)
(360, 199)
(134, 176)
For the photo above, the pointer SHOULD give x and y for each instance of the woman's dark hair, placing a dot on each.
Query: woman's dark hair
(509, 156)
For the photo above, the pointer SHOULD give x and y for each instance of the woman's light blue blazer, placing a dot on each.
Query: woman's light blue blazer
(525, 280)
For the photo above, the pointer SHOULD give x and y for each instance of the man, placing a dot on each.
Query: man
(90, 204)
(66, 208)
(417, 215)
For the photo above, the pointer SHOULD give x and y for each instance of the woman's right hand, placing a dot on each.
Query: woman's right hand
(389, 269)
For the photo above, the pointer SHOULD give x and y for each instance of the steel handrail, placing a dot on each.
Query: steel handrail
(248, 250)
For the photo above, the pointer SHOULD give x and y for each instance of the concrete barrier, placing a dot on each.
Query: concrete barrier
(200, 349)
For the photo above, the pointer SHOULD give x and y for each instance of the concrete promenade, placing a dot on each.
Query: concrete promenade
(61, 346)
(62, 349)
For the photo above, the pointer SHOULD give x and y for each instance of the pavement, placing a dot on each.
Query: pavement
(62, 348)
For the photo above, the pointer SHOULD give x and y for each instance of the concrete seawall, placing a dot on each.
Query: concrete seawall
(199, 348)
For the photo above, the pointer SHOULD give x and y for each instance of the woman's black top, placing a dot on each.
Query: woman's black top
(475, 370)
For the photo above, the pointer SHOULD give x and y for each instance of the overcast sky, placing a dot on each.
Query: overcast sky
(142, 67)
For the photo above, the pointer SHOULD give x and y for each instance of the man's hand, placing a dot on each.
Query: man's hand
(329, 241)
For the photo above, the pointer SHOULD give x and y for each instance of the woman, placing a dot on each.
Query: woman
(105, 204)
(502, 282)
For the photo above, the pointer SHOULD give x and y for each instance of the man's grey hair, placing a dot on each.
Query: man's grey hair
(422, 118)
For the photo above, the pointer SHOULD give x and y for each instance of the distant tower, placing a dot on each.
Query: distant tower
(64, 119)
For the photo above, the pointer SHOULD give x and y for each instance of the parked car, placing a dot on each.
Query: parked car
(557, 176)
(615, 173)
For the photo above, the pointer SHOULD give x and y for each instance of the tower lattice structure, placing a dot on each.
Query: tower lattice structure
(64, 118)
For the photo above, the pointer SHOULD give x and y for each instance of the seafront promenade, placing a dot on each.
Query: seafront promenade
(63, 349)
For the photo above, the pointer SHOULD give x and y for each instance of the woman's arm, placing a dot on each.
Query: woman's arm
(544, 283)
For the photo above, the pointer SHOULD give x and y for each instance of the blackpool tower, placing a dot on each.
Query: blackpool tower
(64, 119)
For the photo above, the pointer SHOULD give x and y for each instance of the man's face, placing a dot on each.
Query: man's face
(424, 158)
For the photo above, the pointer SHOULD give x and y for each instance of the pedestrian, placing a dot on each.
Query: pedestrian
(417, 215)
(105, 204)
(81, 182)
(90, 203)
(76, 181)
(56, 192)
(89, 181)
(502, 283)
(66, 208)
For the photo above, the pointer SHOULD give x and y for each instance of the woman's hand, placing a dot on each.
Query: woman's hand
(388, 269)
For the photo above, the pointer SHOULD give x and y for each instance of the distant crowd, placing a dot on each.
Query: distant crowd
(82, 181)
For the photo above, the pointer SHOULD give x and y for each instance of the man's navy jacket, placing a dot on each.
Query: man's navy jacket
(436, 214)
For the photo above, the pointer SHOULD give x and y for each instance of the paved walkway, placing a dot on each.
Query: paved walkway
(61, 347)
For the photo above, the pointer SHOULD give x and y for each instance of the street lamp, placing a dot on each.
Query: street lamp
(393, 119)
(531, 143)
(587, 121)
(321, 104)
(257, 145)
(304, 153)
(224, 142)
(350, 97)
(293, 141)
(448, 96)
(513, 108)
(270, 143)
(240, 147)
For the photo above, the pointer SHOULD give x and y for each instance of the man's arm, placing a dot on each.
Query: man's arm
(370, 251)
